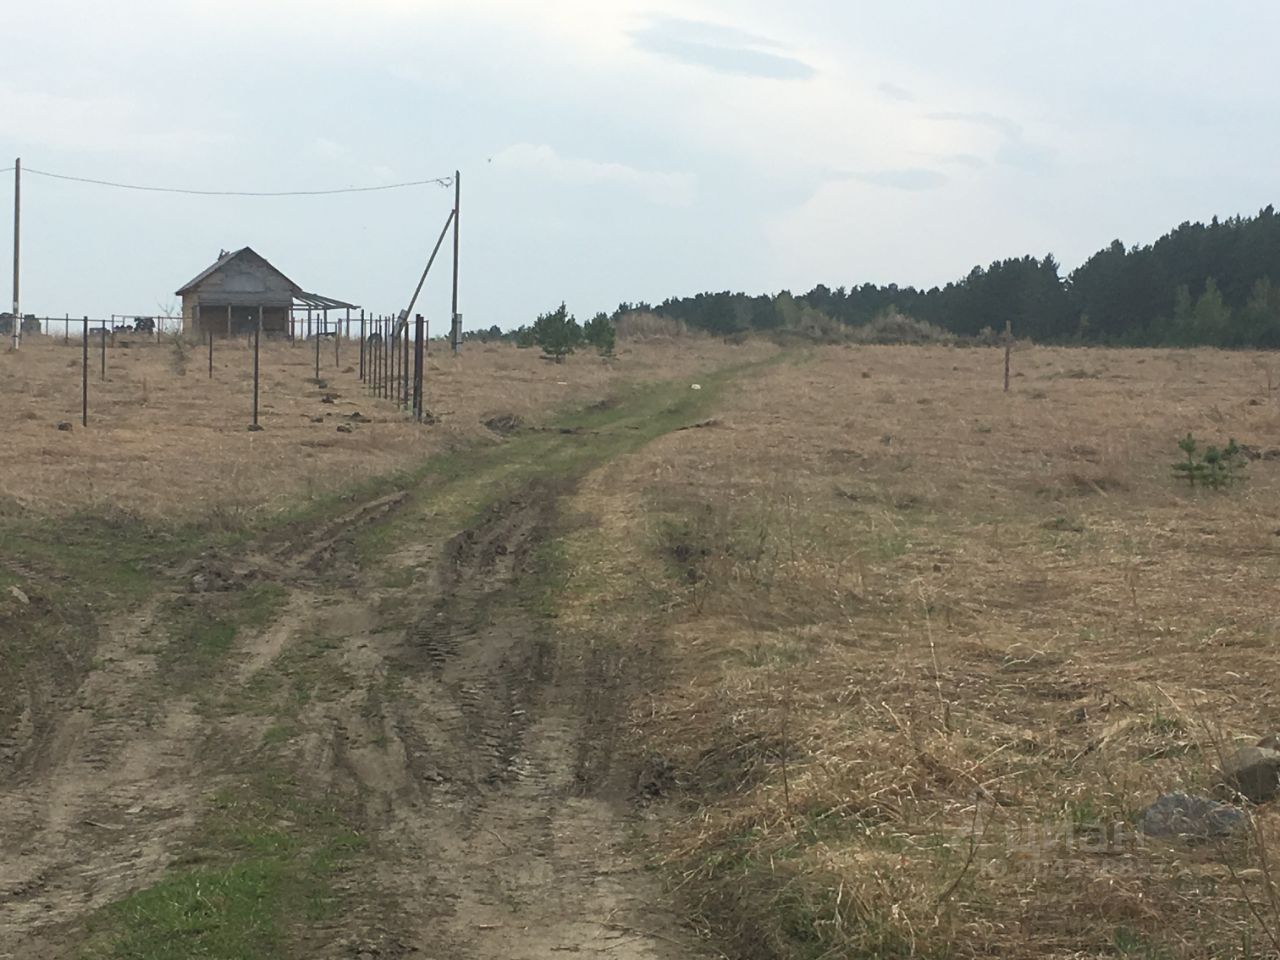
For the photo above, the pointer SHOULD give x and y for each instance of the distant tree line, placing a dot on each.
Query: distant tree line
(558, 333)
(1214, 284)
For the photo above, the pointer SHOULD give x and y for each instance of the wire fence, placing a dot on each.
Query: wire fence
(385, 353)
(298, 327)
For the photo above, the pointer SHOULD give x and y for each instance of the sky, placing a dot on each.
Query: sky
(618, 150)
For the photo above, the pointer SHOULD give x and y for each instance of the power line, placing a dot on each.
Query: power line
(437, 181)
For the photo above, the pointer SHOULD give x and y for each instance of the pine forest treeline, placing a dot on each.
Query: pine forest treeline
(1215, 284)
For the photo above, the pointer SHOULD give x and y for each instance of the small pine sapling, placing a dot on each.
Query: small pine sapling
(600, 333)
(1213, 467)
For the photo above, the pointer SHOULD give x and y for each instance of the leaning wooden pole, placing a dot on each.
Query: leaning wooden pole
(427, 269)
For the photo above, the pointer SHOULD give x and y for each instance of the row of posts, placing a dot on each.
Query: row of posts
(392, 361)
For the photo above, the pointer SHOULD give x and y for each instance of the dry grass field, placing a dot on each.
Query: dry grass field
(166, 440)
(933, 648)
(867, 657)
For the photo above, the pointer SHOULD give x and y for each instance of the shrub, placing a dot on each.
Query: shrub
(895, 327)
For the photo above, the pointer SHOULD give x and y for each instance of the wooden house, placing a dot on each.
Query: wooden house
(241, 288)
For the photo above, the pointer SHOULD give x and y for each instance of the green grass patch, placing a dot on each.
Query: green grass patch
(261, 870)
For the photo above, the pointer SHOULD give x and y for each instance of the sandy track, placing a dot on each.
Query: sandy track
(492, 839)
(463, 739)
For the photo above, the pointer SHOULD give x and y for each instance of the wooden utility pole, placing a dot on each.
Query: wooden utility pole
(455, 326)
(427, 269)
(17, 241)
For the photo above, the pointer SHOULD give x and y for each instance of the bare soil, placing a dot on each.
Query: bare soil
(443, 716)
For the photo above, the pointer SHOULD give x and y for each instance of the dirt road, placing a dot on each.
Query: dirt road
(423, 698)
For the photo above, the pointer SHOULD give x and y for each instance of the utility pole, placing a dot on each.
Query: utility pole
(427, 269)
(456, 325)
(17, 239)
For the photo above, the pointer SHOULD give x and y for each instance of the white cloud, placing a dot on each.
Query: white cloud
(93, 122)
(329, 149)
(668, 189)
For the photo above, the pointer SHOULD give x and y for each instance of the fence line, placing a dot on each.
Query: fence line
(68, 327)
(391, 355)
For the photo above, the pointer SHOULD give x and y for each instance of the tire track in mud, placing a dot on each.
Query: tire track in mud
(476, 746)
(494, 838)
(94, 805)
(96, 802)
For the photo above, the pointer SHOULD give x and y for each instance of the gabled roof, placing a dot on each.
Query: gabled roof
(221, 262)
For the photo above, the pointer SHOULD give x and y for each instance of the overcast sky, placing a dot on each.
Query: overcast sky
(617, 150)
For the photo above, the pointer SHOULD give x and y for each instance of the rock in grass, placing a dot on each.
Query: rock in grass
(65, 425)
(504, 423)
(1191, 817)
(344, 428)
(1253, 772)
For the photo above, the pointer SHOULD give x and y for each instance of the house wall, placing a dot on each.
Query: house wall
(243, 319)
(243, 285)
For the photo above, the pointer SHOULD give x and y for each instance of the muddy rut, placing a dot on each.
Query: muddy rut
(474, 745)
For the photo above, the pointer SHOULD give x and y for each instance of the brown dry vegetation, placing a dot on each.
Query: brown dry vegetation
(934, 647)
(917, 652)
(165, 440)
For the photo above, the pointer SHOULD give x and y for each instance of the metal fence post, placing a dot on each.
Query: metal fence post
(257, 337)
(417, 367)
(84, 376)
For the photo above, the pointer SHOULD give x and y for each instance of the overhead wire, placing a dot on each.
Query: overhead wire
(436, 181)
